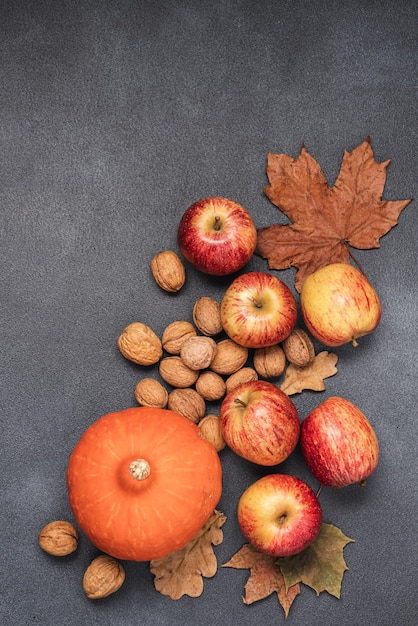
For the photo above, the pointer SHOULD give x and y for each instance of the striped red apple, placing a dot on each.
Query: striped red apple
(217, 236)
(339, 443)
(279, 515)
(258, 310)
(259, 422)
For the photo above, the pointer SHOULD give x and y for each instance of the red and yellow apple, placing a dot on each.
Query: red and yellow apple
(339, 304)
(259, 422)
(258, 310)
(279, 515)
(217, 236)
(338, 443)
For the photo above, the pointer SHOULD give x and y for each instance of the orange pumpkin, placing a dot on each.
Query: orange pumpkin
(142, 482)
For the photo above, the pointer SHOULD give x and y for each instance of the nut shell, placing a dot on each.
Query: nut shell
(150, 392)
(198, 352)
(211, 429)
(211, 386)
(188, 403)
(58, 538)
(176, 334)
(104, 576)
(207, 316)
(229, 357)
(244, 375)
(269, 362)
(299, 348)
(168, 271)
(174, 372)
(139, 343)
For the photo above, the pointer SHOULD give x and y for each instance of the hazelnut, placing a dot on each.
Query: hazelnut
(104, 576)
(150, 392)
(58, 538)
(187, 402)
(174, 372)
(175, 334)
(211, 429)
(269, 362)
(168, 271)
(299, 348)
(140, 344)
(210, 386)
(244, 375)
(198, 352)
(229, 357)
(207, 316)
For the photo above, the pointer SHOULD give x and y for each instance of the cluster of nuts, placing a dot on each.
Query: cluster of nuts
(201, 366)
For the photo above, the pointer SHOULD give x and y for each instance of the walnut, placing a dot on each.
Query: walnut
(174, 372)
(104, 576)
(210, 386)
(207, 316)
(243, 375)
(210, 426)
(269, 362)
(140, 344)
(198, 352)
(58, 538)
(229, 357)
(187, 402)
(175, 334)
(168, 271)
(150, 392)
(299, 348)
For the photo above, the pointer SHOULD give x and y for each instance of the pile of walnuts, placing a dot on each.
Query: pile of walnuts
(196, 364)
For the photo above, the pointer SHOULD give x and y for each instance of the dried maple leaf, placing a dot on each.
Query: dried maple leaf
(311, 376)
(265, 577)
(325, 220)
(321, 565)
(180, 573)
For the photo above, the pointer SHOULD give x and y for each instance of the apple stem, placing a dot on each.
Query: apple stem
(257, 304)
(318, 493)
(217, 224)
(240, 402)
(354, 342)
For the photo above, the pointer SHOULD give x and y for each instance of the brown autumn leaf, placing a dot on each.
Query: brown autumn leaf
(321, 565)
(326, 221)
(310, 376)
(265, 577)
(181, 572)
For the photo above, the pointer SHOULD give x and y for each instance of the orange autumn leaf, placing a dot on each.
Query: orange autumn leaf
(326, 221)
(310, 376)
(181, 572)
(265, 577)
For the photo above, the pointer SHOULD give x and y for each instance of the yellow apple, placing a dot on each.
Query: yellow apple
(339, 304)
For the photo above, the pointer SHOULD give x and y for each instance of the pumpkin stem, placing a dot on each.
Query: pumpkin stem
(139, 469)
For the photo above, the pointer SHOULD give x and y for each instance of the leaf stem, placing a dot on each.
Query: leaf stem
(360, 267)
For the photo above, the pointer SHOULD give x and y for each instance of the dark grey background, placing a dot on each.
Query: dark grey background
(115, 116)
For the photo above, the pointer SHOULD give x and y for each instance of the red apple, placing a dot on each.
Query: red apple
(339, 304)
(279, 515)
(339, 444)
(217, 236)
(259, 422)
(258, 310)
